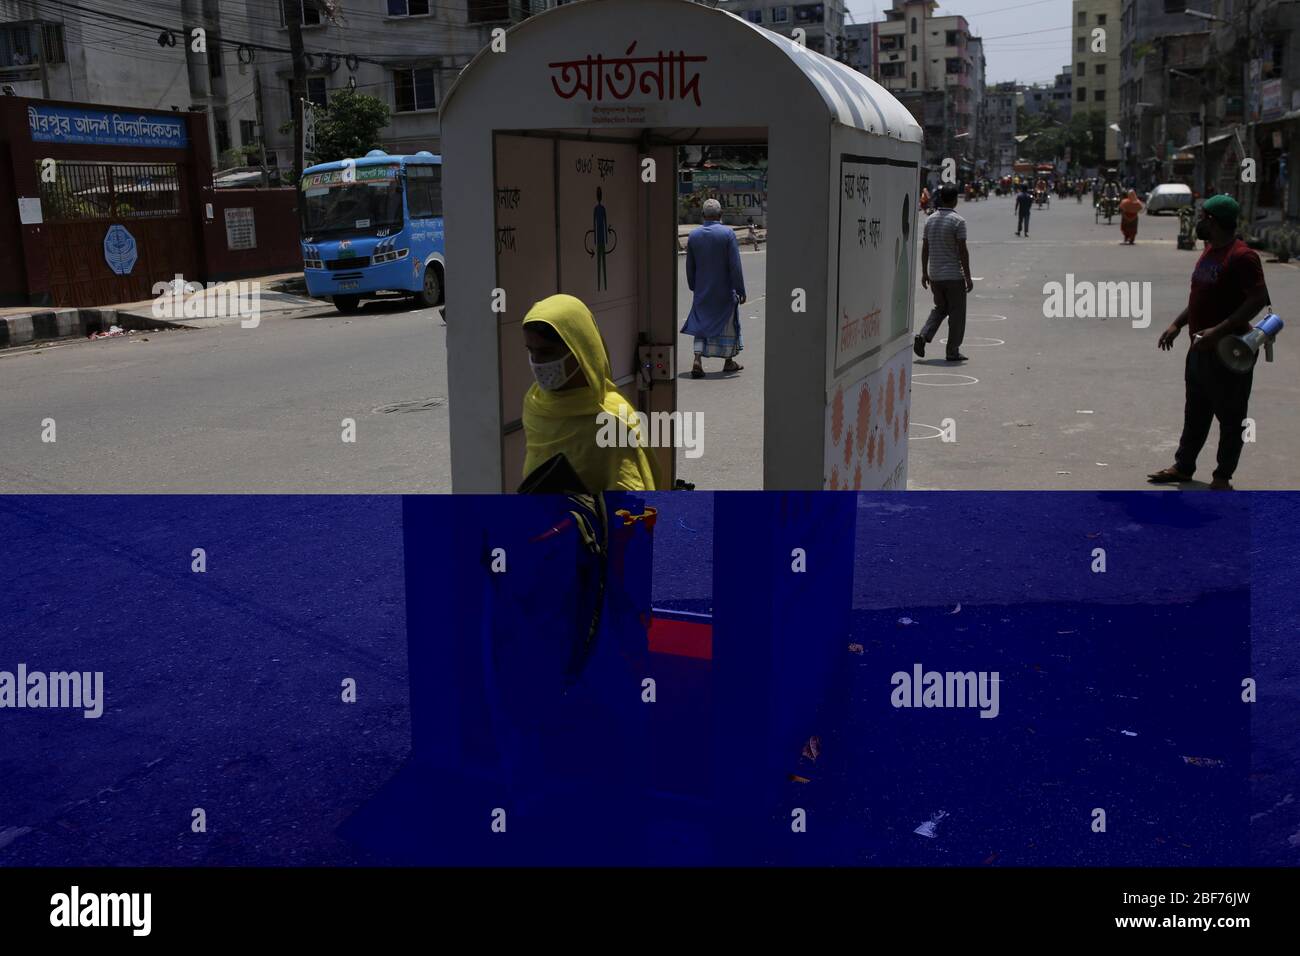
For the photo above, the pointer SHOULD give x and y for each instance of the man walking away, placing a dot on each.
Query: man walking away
(1023, 207)
(943, 245)
(713, 275)
(1228, 291)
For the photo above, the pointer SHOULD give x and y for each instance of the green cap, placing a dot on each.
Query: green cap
(1223, 208)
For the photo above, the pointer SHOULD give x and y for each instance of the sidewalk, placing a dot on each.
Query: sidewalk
(280, 294)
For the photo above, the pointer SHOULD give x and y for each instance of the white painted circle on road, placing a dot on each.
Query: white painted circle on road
(985, 317)
(993, 295)
(979, 342)
(938, 432)
(968, 379)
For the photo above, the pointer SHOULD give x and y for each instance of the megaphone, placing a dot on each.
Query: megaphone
(1239, 352)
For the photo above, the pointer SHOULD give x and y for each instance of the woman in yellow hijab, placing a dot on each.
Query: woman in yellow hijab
(563, 408)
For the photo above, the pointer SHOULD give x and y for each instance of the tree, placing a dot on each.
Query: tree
(349, 126)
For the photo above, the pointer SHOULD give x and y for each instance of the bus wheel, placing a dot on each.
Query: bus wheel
(347, 304)
(430, 293)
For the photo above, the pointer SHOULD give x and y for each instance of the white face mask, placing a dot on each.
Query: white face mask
(551, 375)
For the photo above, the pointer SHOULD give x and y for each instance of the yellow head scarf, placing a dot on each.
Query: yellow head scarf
(565, 421)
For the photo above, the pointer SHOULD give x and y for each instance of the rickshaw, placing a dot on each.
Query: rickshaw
(1042, 197)
(1106, 205)
(1004, 186)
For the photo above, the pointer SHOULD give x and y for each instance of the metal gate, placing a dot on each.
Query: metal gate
(115, 229)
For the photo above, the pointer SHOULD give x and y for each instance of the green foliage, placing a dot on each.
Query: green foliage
(1048, 138)
(349, 126)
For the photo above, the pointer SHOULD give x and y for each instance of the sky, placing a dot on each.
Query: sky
(1024, 40)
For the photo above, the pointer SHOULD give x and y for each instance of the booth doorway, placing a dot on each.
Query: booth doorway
(731, 405)
(574, 215)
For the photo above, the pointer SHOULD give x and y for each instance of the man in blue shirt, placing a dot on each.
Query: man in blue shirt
(713, 273)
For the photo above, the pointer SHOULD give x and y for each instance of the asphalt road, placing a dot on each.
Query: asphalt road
(1063, 403)
(235, 410)
(1044, 403)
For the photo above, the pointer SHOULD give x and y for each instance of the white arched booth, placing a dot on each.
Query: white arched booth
(596, 94)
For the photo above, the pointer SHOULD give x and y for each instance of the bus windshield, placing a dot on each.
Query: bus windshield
(367, 200)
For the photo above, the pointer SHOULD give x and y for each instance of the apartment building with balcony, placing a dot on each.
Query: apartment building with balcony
(1097, 44)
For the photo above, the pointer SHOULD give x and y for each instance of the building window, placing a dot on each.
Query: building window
(953, 65)
(424, 191)
(952, 38)
(214, 61)
(223, 136)
(913, 26)
(810, 13)
(55, 52)
(1079, 69)
(914, 79)
(913, 54)
(309, 12)
(247, 132)
(317, 93)
(754, 16)
(1081, 18)
(1099, 96)
(1175, 6)
(780, 14)
(413, 89)
(1081, 94)
(408, 8)
(1101, 19)
(1101, 69)
(1079, 44)
(488, 11)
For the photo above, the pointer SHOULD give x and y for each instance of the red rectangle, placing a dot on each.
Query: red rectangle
(681, 638)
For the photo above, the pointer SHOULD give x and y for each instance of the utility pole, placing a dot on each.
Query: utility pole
(261, 124)
(38, 29)
(293, 17)
(1247, 90)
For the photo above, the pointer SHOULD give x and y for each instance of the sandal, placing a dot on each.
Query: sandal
(1168, 476)
(697, 372)
(733, 367)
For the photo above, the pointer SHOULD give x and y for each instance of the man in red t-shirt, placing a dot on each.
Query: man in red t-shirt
(1228, 291)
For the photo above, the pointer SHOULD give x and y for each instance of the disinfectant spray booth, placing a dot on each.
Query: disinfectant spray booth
(575, 117)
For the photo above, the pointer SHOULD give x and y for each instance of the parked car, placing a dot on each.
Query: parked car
(1169, 197)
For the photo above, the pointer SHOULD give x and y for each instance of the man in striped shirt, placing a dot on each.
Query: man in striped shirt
(945, 271)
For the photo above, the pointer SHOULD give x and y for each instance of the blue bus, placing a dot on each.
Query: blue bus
(373, 226)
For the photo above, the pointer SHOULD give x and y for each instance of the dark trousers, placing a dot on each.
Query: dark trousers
(1213, 391)
(1022, 222)
(950, 304)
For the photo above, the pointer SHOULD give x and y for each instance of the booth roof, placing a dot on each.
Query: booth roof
(852, 99)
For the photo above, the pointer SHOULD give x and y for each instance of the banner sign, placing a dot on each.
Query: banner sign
(58, 124)
(349, 175)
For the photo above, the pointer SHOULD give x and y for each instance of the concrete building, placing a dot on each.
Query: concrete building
(859, 46)
(412, 50)
(405, 52)
(53, 51)
(926, 60)
(1053, 98)
(1001, 113)
(1158, 36)
(1097, 40)
(823, 23)
(1251, 94)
